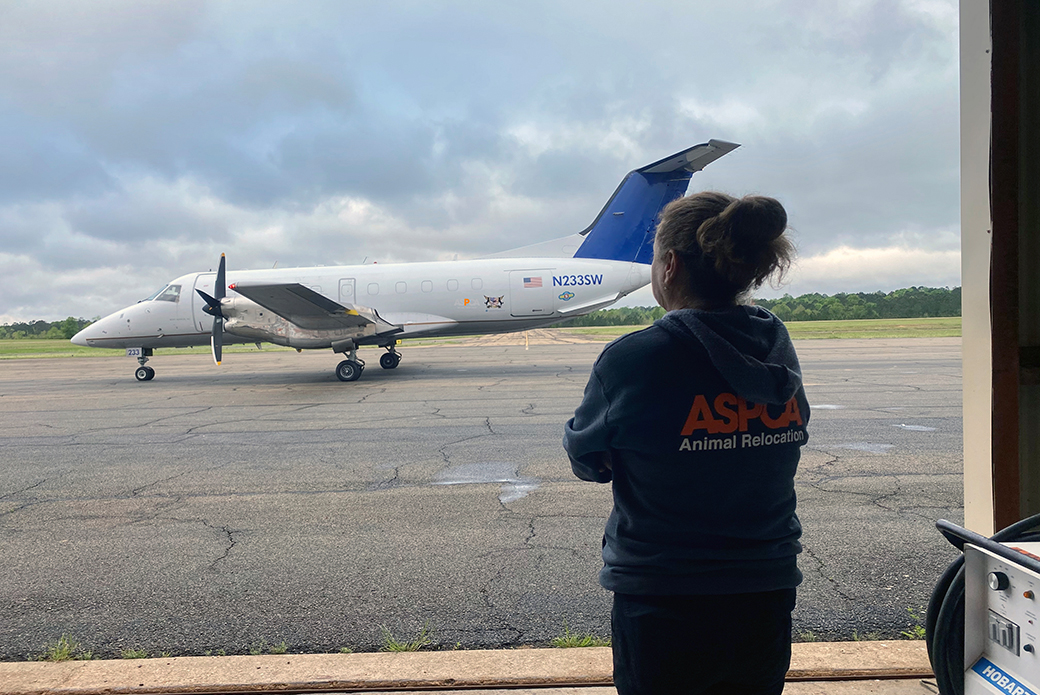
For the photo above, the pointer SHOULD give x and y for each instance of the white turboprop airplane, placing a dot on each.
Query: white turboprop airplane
(342, 307)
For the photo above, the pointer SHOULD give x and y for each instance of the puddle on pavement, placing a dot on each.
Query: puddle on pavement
(513, 487)
(915, 428)
(872, 447)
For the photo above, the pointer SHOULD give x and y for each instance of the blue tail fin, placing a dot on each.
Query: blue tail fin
(624, 229)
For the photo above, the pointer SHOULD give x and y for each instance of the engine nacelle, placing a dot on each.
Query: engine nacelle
(248, 319)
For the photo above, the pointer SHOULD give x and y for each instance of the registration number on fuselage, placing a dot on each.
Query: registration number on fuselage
(576, 280)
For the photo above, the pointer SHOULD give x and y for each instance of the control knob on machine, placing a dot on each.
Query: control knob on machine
(998, 581)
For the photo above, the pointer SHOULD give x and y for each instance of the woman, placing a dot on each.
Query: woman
(698, 422)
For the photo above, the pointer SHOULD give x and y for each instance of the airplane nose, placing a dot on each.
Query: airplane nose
(81, 337)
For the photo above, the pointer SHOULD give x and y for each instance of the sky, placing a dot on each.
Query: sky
(139, 140)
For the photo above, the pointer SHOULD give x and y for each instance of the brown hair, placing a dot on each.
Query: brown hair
(728, 245)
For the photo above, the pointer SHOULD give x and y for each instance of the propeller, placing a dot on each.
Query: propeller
(213, 309)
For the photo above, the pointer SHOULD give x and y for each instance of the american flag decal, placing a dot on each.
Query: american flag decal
(532, 282)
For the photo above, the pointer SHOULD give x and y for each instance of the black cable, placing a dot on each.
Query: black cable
(944, 622)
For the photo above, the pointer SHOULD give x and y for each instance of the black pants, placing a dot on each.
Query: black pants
(738, 644)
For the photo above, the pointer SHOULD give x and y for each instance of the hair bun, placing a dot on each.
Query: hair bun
(755, 219)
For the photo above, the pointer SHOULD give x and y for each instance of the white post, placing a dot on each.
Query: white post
(976, 240)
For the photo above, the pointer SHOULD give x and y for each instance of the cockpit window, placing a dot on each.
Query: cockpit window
(153, 295)
(170, 293)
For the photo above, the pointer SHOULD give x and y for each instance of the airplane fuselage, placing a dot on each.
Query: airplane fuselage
(345, 307)
(423, 299)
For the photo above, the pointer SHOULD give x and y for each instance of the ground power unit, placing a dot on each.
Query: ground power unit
(984, 618)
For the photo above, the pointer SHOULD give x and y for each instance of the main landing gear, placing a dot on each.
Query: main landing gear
(144, 373)
(351, 368)
(390, 359)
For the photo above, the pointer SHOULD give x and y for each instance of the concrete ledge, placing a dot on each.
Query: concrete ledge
(859, 660)
(414, 671)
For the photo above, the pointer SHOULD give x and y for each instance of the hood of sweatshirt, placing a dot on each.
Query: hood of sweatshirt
(747, 344)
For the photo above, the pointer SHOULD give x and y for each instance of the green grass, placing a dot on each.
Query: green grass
(65, 649)
(570, 640)
(31, 348)
(133, 654)
(916, 630)
(945, 327)
(391, 644)
(800, 330)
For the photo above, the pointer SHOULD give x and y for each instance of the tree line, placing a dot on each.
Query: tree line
(58, 330)
(907, 303)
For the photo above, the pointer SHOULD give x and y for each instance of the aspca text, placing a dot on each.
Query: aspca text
(730, 413)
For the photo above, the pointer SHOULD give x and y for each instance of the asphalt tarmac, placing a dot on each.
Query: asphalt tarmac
(264, 504)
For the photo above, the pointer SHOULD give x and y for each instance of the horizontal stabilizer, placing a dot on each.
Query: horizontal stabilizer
(691, 160)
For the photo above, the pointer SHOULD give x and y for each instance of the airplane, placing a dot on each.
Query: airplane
(344, 307)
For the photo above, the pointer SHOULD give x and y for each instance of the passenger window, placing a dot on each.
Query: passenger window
(373, 288)
(171, 293)
(453, 285)
(427, 286)
(402, 287)
(477, 283)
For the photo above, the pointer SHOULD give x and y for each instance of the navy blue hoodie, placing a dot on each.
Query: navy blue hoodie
(703, 415)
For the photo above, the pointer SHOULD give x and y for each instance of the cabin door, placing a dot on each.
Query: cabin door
(530, 292)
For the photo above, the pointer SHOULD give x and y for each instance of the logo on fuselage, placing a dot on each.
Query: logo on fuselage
(567, 296)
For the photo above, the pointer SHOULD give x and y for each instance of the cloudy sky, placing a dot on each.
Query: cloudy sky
(139, 140)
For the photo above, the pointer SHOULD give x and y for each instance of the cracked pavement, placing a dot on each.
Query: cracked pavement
(265, 501)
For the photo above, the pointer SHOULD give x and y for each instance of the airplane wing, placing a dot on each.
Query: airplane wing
(308, 309)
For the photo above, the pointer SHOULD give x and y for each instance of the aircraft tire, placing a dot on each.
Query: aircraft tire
(389, 360)
(144, 373)
(348, 370)
(151, 373)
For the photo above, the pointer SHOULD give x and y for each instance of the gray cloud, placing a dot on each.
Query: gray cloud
(151, 136)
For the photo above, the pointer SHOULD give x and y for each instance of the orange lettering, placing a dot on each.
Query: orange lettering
(724, 403)
(745, 413)
(770, 422)
(700, 418)
(793, 413)
(790, 414)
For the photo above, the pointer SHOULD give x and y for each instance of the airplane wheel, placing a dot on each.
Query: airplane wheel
(144, 373)
(348, 370)
(151, 373)
(389, 360)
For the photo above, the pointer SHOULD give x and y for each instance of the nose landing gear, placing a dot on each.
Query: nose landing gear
(144, 373)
